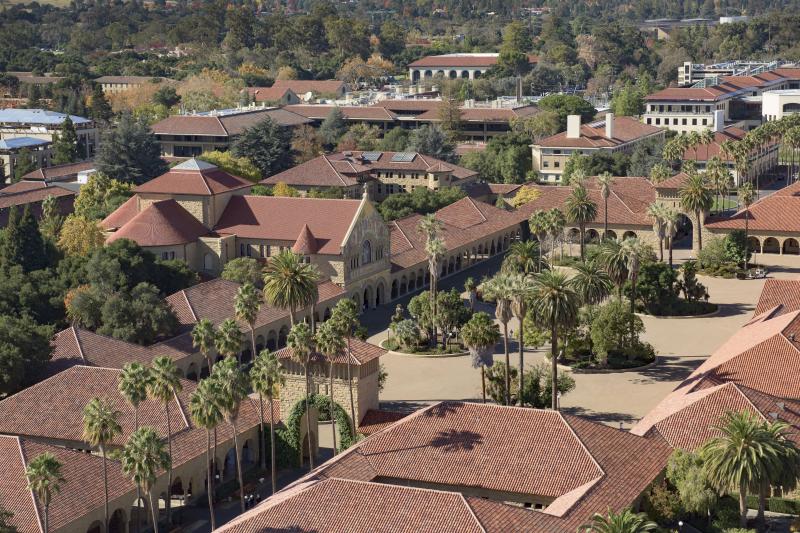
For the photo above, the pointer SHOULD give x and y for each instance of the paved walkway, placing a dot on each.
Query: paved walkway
(616, 398)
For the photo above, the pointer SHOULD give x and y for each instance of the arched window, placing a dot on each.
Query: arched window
(366, 253)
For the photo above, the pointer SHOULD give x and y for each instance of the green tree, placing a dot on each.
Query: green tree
(480, 335)
(628, 101)
(44, 480)
(432, 141)
(333, 127)
(25, 164)
(79, 236)
(24, 351)
(233, 385)
(635, 252)
(99, 108)
(523, 257)
(228, 340)
(266, 378)
(289, 283)
(238, 166)
(555, 304)
(746, 195)
(205, 410)
(139, 315)
(330, 343)
(606, 182)
(431, 227)
(22, 242)
(501, 290)
(580, 209)
(522, 291)
(100, 427)
(625, 521)
(685, 472)
(100, 196)
(614, 328)
(166, 96)
(65, 145)
(130, 152)
(696, 198)
(246, 305)
(204, 338)
(392, 39)
(143, 456)
(164, 386)
(243, 270)
(591, 282)
(51, 220)
(134, 380)
(300, 340)
(566, 105)
(267, 144)
(345, 316)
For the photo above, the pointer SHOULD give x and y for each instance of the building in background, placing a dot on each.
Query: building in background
(310, 90)
(611, 135)
(15, 148)
(43, 124)
(461, 65)
(272, 96)
(778, 104)
(121, 84)
(690, 73)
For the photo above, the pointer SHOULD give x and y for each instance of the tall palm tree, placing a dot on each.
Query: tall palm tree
(522, 290)
(233, 387)
(658, 214)
(164, 387)
(785, 472)
(435, 250)
(330, 343)
(613, 260)
(522, 257)
(672, 152)
(345, 316)
(634, 251)
(606, 181)
(300, 340)
(792, 139)
(246, 304)
(741, 456)
(720, 178)
(500, 289)
(100, 426)
(143, 456)
(539, 224)
(706, 137)
(205, 410)
(660, 172)
(591, 283)
(580, 209)
(692, 140)
(266, 377)
(480, 335)
(556, 221)
(625, 521)
(555, 304)
(670, 228)
(696, 197)
(746, 199)
(134, 381)
(228, 341)
(289, 283)
(44, 479)
(204, 339)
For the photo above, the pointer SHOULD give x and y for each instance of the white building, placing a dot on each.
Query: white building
(777, 104)
(44, 124)
(466, 66)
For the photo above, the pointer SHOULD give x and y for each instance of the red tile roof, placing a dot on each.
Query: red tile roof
(121, 215)
(778, 212)
(376, 419)
(59, 172)
(201, 178)
(163, 223)
(593, 135)
(780, 296)
(300, 87)
(275, 218)
(462, 60)
(362, 352)
(34, 198)
(268, 94)
(306, 243)
(320, 112)
(714, 149)
(224, 125)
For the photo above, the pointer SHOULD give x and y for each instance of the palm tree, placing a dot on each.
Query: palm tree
(228, 341)
(792, 139)
(784, 472)
(164, 387)
(606, 181)
(500, 289)
(204, 339)
(246, 304)
(555, 303)
(660, 172)
(696, 197)
(266, 377)
(658, 213)
(591, 283)
(556, 221)
(613, 260)
(134, 381)
(634, 251)
(538, 224)
(706, 137)
(746, 199)
(522, 257)
(435, 249)
(580, 209)
(204, 408)
(44, 479)
(692, 140)
(625, 521)
(233, 387)
(480, 335)
(345, 316)
(300, 340)
(742, 456)
(100, 426)
(673, 151)
(471, 288)
(144, 455)
(720, 178)
(670, 228)
(522, 290)
(289, 283)
(330, 342)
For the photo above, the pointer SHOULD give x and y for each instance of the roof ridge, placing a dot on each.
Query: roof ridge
(325, 157)
(583, 445)
(33, 495)
(181, 411)
(403, 233)
(78, 342)
(188, 303)
(475, 206)
(747, 399)
(471, 512)
(222, 125)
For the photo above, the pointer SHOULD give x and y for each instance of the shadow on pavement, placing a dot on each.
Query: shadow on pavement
(669, 368)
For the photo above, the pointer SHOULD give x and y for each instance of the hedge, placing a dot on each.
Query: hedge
(776, 505)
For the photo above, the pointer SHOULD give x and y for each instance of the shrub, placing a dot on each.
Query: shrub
(407, 334)
(662, 504)
(537, 393)
(611, 329)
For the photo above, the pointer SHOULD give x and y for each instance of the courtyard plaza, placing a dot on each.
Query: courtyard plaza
(617, 398)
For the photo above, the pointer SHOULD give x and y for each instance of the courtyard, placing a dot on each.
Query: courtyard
(617, 398)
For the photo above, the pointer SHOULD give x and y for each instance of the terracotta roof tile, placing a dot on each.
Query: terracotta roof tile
(163, 223)
(275, 218)
(321, 171)
(268, 94)
(376, 419)
(121, 215)
(363, 352)
(783, 294)
(300, 87)
(59, 172)
(306, 243)
(202, 182)
(320, 112)
(224, 125)
(593, 135)
(778, 212)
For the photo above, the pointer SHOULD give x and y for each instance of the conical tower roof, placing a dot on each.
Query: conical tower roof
(306, 243)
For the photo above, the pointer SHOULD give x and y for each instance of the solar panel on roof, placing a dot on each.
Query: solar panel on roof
(403, 157)
(371, 156)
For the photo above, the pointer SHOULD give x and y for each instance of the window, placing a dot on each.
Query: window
(705, 122)
(366, 253)
(241, 250)
(164, 256)
(649, 120)
(674, 121)
(261, 251)
(545, 164)
(556, 164)
(658, 122)
(694, 122)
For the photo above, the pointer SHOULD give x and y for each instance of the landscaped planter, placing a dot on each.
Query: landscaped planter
(607, 370)
(433, 355)
(704, 315)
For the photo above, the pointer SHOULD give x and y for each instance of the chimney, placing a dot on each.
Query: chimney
(609, 125)
(573, 126)
(719, 120)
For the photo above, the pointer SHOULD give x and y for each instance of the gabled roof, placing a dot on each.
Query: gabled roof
(275, 218)
(214, 300)
(322, 171)
(269, 94)
(778, 296)
(301, 87)
(321, 112)
(593, 135)
(778, 212)
(362, 352)
(195, 177)
(37, 116)
(121, 215)
(14, 143)
(162, 223)
(224, 124)
(59, 172)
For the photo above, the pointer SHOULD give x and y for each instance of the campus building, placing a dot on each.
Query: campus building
(193, 134)
(611, 135)
(461, 65)
(13, 152)
(779, 104)
(385, 173)
(44, 125)
(121, 84)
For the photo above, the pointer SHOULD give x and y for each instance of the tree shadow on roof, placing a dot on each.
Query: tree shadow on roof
(455, 440)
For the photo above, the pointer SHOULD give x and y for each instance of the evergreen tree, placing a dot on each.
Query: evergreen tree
(268, 145)
(99, 109)
(65, 146)
(22, 244)
(34, 95)
(25, 164)
(130, 152)
(333, 127)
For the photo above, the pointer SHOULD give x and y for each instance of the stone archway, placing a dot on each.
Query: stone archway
(394, 292)
(771, 246)
(282, 334)
(628, 235)
(192, 372)
(592, 236)
(403, 285)
(116, 522)
(611, 235)
(753, 244)
(367, 301)
(791, 247)
(380, 294)
(95, 527)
